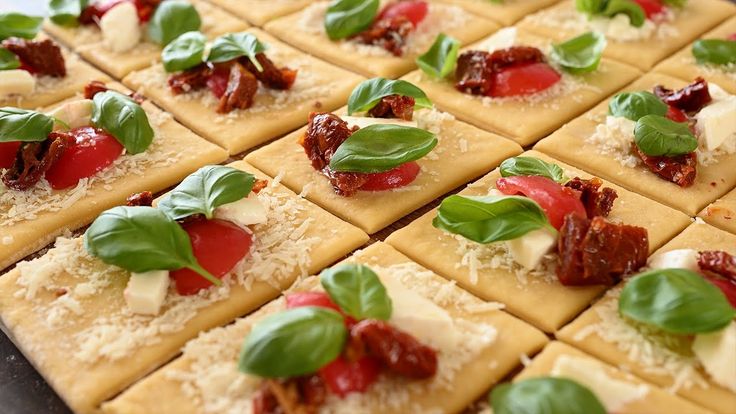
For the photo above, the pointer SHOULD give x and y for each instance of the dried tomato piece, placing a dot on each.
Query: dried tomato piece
(691, 98)
(302, 395)
(345, 183)
(241, 90)
(43, 57)
(146, 8)
(271, 76)
(394, 106)
(474, 73)
(680, 169)
(597, 202)
(190, 80)
(144, 198)
(389, 33)
(720, 262)
(94, 87)
(259, 185)
(34, 159)
(515, 55)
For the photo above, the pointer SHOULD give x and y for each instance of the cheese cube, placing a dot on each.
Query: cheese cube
(529, 249)
(243, 212)
(675, 259)
(73, 114)
(146, 292)
(120, 27)
(717, 352)
(364, 121)
(502, 39)
(716, 123)
(16, 82)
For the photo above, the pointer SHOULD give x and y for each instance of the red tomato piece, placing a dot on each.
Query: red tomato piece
(343, 376)
(320, 299)
(217, 82)
(524, 79)
(732, 37)
(676, 114)
(556, 200)
(145, 11)
(728, 287)
(414, 10)
(651, 7)
(218, 246)
(400, 176)
(93, 151)
(7, 153)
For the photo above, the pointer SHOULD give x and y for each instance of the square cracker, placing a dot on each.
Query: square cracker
(87, 41)
(696, 17)
(537, 298)
(569, 144)
(505, 12)
(459, 144)
(31, 219)
(527, 119)
(318, 86)
(305, 30)
(722, 213)
(582, 333)
(684, 66)
(655, 400)
(258, 12)
(164, 392)
(114, 348)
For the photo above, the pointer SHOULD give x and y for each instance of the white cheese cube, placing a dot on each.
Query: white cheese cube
(529, 249)
(16, 82)
(244, 212)
(73, 114)
(120, 28)
(716, 123)
(502, 39)
(717, 352)
(364, 121)
(146, 292)
(675, 259)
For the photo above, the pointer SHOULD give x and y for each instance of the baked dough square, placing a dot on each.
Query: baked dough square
(655, 41)
(572, 144)
(258, 12)
(722, 213)
(305, 30)
(620, 350)
(319, 86)
(536, 297)
(71, 317)
(654, 399)
(87, 41)
(190, 385)
(505, 12)
(527, 119)
(33, 218)
(683, 65)
(459, 144)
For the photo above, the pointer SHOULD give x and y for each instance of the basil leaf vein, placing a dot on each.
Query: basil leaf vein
(656, 135)
(124, 119)
(19, 25)
(525, 166)
(358, 291)
(184, 52)
(66, 12)
(715, 51)
(367, 95)
(235, 45)
(171, 19)
(440, 59)
(345, 18)
(545, 395)
(8, 60)
(24, 125)
(635, 105)
(581, 54)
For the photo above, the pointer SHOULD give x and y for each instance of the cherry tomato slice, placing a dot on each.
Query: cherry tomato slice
(93, 151)
(320, 299)
(728, 287)
(556, 200)
(414, 10)
(343, 376)
(651, 7)
(8, 150)
(676, 114)
(217, 82)
(218, 246)
(400, 176)
(524, 79)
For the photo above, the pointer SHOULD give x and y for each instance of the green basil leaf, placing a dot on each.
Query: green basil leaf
(491, 218)
(141, 239)
(345, 18)
(19, 25)
(581, 54)
(635, 105)
(24, 125)
(715, 51)
(206, 189)
(358, 291)
(367, 95)
(636, 14)
(171, 19)
(441, 58)
(525, 166)
(545, 395)
(294, 342)
(379, 148)
(590, 6)
(66, 12)
(184, 52)
(675, 300)
(656, 135)
(234, 45)
(8, 60)
(124, 119)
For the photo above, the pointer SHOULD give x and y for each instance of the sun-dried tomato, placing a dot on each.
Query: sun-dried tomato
(596, 252)
(692, 98)
(259, 185)
(43, 57)
(241, 90)
(680, 169)
(271, 76)
(476, 68)
(94, 87)
(515, 55)
(34, 159)
(144, 198)
(301, 395)
(720, 262)
(190, 80)
(394, 106)
(597, 201)
(389, 33)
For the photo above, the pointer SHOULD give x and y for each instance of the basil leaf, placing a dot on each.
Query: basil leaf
(66, 12)
(171, 19)
(379, 148)
(656, 135)
(545, 395)
(235, 45)
(636, 14)
(526, 166)
(19, 25)
(441, 58)
(358, 291)
(206, 189)
(675, 300)
(8, 60)
(345, 18)
(590, 6)
(124, 119)
(635, 105)
(367, 95)
(715, 51)
(294, 342)
(581, 54)
(24, 125)
(184, 52)
(491, 218)
(141, 239)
